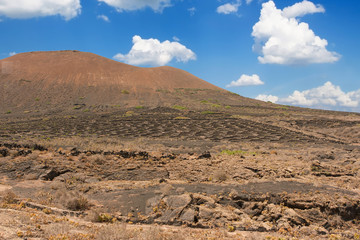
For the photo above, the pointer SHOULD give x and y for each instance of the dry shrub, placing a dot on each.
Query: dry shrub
(62, 196)
(92, 216)
(220, 176)
(9, 197)
(97, 159)
(78, 204)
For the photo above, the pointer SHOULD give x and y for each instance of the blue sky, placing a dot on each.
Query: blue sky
(293, 52)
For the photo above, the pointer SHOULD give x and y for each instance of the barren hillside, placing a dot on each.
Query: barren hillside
(67, 79)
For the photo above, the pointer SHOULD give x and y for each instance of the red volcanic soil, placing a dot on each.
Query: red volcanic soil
(60, 79)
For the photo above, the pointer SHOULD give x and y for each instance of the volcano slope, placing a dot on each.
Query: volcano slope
(166, 160)
(63, 80)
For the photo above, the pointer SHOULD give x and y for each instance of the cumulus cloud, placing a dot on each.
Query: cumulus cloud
(155, 53)
(23, 9)
(228, 8)
(267, 98)
(355, 95)
(246, 80)
(282, 39)
(104, 18)
(12, 54)
(248, 1)
(326, 96)
(132, 5)
(302, 8)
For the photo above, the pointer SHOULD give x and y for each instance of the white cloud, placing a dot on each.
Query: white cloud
(192, 11)
(132, 5)
(355, 95)
(267, 98)
(12, 54)
(246, 80)
(228, 8)
(176, 39)
(327, 96)
(302, 8)
(23, 9)
(104, 18)
(155, 53)
(248, 1)
(282, 39)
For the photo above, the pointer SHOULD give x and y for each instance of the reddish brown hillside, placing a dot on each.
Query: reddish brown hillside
(84, 69)
(66, 80)
(64, 77)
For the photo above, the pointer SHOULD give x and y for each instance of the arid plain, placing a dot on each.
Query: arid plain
(94, 149)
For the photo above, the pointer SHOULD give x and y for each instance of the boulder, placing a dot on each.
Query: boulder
(206, 213)
(170, 216)
(294, 218)
(178, 201)
(50, 175)
(188, 215)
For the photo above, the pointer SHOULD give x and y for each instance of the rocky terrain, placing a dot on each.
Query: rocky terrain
(169, 163)
(229, 173)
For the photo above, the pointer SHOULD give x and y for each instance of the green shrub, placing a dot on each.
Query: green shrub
(129, 114)
(162, 91)
(139, 107)
(282, 107)
(231, 228)
(236, 152)
(182, 118)
(125, 92)
(179, 107)
(104, 218)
